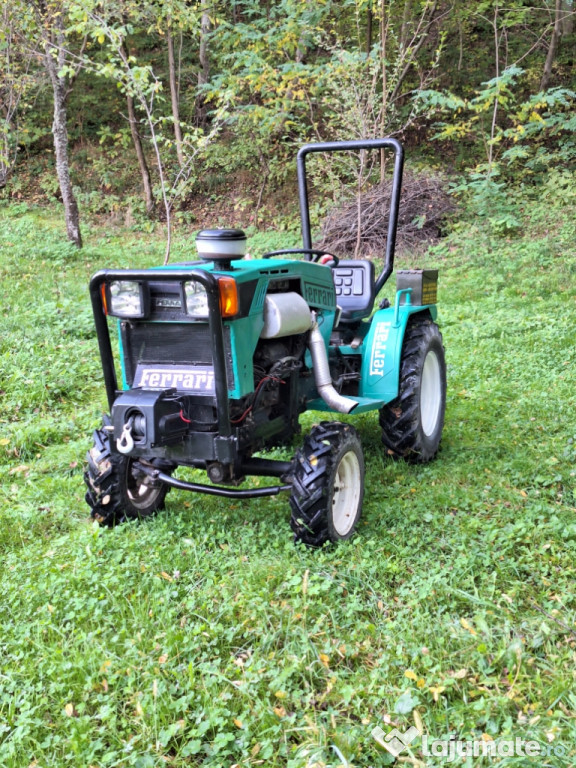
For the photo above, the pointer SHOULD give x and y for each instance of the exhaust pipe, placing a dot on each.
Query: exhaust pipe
(322, 375)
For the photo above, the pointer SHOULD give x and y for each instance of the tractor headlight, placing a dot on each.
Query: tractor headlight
(126, 299)
(196, 300)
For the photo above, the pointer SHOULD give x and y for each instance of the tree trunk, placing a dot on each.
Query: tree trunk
(414, 46)
(139, 149)
(301, 51)
(383, 37)
(567, 18)
(497, 39)
(553, 47)
(301, 47)
(60, 134)
(406, 18)
(10, 94)
(204, 58)
(369, 19)
(143, 165)
(5, 154)
(204, 74)
(174, 98)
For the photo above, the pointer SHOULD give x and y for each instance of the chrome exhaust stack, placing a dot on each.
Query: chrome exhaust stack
(322, 375)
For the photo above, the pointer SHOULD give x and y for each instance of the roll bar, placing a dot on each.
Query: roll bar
(351, 146)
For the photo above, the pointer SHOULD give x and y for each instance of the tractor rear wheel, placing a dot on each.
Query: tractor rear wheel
(412, 423)
(328, 485)
(115, 492)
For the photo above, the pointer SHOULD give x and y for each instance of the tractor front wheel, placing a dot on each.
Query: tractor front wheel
(115, 491)
(412, 423)
(328, 485)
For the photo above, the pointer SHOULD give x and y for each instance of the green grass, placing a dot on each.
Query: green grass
(204, 637)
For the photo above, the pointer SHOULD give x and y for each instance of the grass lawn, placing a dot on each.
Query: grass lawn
(204, 637)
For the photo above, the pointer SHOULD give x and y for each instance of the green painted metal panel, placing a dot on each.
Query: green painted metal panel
(125, 384)
(382, 351)
(244, 335)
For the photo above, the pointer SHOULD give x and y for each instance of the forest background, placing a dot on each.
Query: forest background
(187, 111)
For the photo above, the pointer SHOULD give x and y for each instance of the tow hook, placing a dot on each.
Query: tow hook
(125, 442)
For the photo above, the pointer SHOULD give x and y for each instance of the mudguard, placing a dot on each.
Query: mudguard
(382, 350)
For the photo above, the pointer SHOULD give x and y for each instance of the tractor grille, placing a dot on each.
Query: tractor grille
(179, 343)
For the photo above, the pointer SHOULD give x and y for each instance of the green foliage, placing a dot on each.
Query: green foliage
(273, 75)
(491, 200)
(536, 131)
(543, 131)
(18, 89)
(272, 78)
(203, 637)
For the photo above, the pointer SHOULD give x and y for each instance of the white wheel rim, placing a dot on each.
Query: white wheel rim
(346, 496)
(430, 393)
(141, 495)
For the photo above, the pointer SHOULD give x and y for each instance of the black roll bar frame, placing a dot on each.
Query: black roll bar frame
(353, 146)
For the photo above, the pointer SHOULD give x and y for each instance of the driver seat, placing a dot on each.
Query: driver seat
(354, 285)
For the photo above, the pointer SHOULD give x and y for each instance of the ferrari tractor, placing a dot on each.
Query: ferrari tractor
(219, 357)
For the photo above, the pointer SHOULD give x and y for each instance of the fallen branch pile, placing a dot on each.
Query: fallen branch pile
(424, 204)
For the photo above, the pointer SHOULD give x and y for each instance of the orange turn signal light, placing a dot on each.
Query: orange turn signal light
(104, 298)
(228, 296)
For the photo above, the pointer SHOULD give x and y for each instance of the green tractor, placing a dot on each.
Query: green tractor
(220, 356)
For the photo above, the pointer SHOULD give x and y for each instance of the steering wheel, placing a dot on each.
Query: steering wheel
(308, 251)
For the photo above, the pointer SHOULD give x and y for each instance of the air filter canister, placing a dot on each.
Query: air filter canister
(285, 314)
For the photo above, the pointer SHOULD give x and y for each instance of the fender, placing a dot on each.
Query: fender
(382, 350)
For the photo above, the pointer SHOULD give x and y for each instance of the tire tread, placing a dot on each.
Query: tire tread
(106, 495)
(313, 465)
(399, 419)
